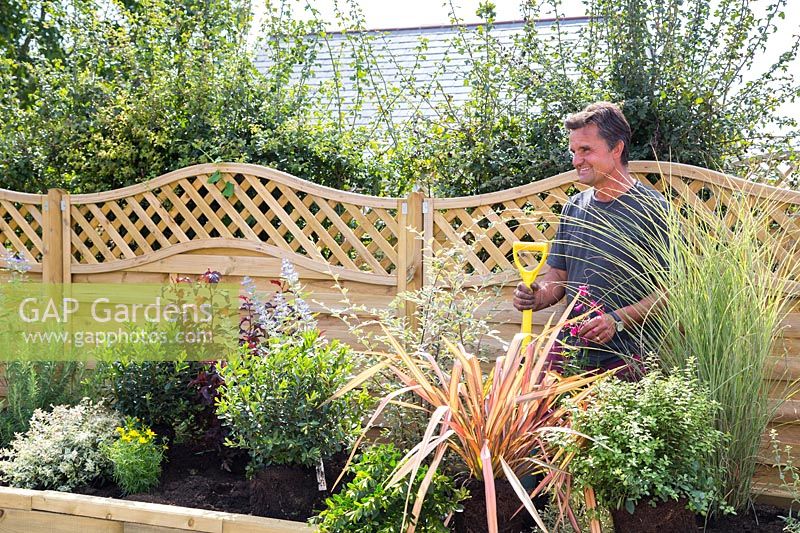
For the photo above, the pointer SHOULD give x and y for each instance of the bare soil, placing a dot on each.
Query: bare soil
(510, 518)
(194, 478)
(761, 519)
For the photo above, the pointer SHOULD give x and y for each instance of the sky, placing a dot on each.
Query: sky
(388, 14)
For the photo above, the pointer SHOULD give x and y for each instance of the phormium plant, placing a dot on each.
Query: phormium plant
(474, 416)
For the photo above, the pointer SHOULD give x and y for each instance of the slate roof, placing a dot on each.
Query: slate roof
(414, 80)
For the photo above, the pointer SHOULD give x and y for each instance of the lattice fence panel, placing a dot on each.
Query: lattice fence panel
(489, 230)
(21, 229)
(355, 237)
(781, 224)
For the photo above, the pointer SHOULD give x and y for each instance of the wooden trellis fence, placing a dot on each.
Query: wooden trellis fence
(184, 223)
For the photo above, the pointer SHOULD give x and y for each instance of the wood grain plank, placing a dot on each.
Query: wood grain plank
(128, 511)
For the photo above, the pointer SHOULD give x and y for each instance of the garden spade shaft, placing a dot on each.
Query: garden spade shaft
(523, 250)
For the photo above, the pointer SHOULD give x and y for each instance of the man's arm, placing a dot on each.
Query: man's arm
(546, 291)
(636, 313)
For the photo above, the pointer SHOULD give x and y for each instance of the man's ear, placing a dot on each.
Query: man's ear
(617, 150)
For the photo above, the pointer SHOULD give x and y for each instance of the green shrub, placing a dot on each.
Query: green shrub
(99, 98)
(651, 442)
(274, 400)
(156, 392)
(136, 457)
(62, 449)
(32, 385)
(365, 505)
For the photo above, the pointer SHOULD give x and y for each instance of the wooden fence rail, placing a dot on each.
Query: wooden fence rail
(243, 219)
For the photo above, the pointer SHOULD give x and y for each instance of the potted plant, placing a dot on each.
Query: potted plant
(272, 399)
(646, 451)
(498, 425)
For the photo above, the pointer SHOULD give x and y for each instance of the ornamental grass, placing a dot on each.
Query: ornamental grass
(722, 273)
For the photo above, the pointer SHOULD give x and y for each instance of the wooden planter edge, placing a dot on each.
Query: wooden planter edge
(36, 511)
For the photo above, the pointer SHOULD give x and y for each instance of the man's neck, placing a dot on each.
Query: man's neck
(615, 185)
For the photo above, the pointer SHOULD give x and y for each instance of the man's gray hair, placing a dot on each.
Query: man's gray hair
(610, 122)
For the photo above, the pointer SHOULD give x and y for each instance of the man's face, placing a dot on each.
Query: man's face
(591, 157)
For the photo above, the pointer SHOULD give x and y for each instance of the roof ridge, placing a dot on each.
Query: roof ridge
(465, 25)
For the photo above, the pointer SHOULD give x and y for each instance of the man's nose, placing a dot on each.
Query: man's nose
(575, 160)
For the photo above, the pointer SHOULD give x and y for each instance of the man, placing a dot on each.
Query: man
(608, 237)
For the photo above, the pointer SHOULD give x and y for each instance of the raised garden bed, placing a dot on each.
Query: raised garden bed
(195, 493)
(33, 511)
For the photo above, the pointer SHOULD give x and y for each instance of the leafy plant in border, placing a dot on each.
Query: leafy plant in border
(154, 382)
(136, 457)
(32, 385)
(273, 400)
(156, 392)
(648, 441)
(499, 426)
(366, 505)
(62, 449)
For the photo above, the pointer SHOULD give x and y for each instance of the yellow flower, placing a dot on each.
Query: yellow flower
(142, 440)
(150, 433)
(134, 433)
(126, 438)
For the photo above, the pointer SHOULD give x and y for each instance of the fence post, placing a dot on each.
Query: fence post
(55, 260)
(409, 250)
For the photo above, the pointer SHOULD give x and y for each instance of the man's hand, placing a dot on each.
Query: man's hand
(599, 330)
(546, 291)
(526, 298)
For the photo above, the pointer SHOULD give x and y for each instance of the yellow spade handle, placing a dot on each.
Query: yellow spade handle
(529, 275)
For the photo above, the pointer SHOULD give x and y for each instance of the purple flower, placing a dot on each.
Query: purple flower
(288, 272)
(249, 286)
(211, 276)
(15, 262)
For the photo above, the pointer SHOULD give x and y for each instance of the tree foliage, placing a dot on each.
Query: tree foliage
(98, 94)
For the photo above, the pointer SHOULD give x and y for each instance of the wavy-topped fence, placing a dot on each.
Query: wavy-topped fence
(265, 212)
(243, 219)
(235, 206)
(489, 223)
